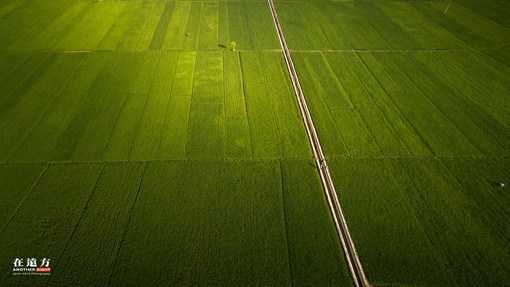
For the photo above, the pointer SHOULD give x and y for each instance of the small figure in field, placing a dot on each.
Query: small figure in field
(233, 46)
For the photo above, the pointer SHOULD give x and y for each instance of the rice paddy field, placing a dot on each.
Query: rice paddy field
(136, 149)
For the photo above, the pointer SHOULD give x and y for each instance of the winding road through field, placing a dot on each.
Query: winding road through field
(353, 260)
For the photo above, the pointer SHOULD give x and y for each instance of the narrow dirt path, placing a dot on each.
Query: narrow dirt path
(353, 261)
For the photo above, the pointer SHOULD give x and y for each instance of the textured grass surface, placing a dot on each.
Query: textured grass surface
(163, 105)
(409, 25)
(384, 226)
(193, 222)
(46, 219)
(408, 104)
(128, 25)
(177, 97)
(230, 228)
(309, 243)
(136, 149)
(439, 222)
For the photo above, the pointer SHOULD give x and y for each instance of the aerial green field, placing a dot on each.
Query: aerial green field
(137, 149)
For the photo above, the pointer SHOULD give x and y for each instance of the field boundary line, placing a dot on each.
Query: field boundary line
(128, 222)
(27, 196)
(285, 220)
(222, 50)
(353, 261)
(78, 221)
(346, 157)
(397, 50)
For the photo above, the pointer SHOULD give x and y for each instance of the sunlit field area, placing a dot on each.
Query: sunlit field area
(139, 148)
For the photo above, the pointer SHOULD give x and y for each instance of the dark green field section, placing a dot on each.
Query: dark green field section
(176, 223)
(135, 25)
(163, 105)
(382, 25)
(408, 104)
(438, 222)
(16, 183)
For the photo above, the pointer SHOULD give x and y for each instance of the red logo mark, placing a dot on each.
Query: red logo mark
(43, 269)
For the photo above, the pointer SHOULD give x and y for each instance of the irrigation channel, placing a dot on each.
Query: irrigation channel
(353, 260)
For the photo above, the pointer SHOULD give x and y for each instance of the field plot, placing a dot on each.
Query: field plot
(382, 25)
(164, 105)
(497, 10)
(16, 183)
(439, 222)
(408, 104)
(46, 218)
(136, 25)
(210, 229)
(192, 222)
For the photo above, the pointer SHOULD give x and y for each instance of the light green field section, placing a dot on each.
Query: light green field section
(407, 104)
(382, 25)
(163, 105)
(237, 131)
(273, 118)
(135, 25)
(151, 124)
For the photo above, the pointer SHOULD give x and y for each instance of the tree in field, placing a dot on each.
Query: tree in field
(233, 46)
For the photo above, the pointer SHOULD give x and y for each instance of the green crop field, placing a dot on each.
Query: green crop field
(137, 149)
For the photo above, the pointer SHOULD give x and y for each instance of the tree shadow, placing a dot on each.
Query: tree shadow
(222, 46)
